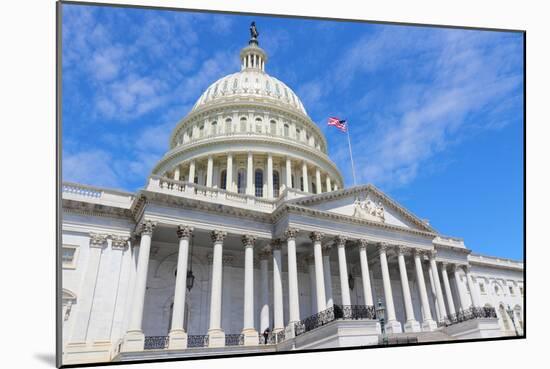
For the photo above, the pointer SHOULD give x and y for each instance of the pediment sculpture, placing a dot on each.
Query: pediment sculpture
(368, 209)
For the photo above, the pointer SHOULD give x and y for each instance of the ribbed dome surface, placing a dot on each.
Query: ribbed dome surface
(250, 83)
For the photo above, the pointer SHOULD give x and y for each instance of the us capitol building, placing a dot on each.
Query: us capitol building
(245, 240)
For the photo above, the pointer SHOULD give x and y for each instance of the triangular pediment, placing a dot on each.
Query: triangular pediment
(365, 202)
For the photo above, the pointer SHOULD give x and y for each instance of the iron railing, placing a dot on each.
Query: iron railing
(345, 312)
(199, 340)
(234, 339)
(272, 338)
(155, 342)
(471, 313)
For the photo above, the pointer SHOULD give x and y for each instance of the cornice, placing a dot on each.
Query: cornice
(97, 210)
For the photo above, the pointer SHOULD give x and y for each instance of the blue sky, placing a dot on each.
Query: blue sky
(436, 115)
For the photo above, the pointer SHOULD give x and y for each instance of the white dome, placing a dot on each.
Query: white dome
(250, 83)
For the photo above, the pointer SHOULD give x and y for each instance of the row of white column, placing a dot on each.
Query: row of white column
(230, 186)
(323, 291)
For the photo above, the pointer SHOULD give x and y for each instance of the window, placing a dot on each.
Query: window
(298, 134)
(228, 125)
(241, 181)
(481, 288)
(196, 180)
(214, 127)
(521, 290)
(259, 183)
(511, 290)
(313, 187)
(242, 126)
(201, 131)
(275, 184)
(286, 130)
(190, 134)
(68, 256)
(273, 127)
(292, 181)
(223, 180)
(301, 183)
(258, 125)
(496, 290)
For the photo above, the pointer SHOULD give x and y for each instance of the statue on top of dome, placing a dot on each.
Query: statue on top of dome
(254, 32)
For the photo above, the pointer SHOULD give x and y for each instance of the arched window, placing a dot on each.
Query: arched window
(298, 134)
(286, 130)
(190, 133)
(259, 183)
(258, 125)
(241, 181)
(223, 180)
(201, 131)
(301, 183)
(242, 126)
(275, 184)
(273, 127)
(504, 317)
(228, 125)
(214, 127)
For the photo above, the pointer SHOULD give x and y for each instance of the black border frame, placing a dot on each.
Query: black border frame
(58, 210)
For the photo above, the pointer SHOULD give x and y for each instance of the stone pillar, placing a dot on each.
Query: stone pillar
(310, 263)
(434, 294)
(249, 331)
(318, 180)
(134, 338)
(472, 287)
(411, 325)
(250, 175)
(428, 323)
(209, 171)
(278, 317)
(177, 173)
(343, 268)
(459, 288)
(365, 277)
(329, 186)
(178, 336)
(304, 176)
(437, 284)
(391, 324)
(215, 332)
(269, 176)
(264, 289)
(293, 297)
(192, 171)
(288, 172)
(447, 286)
(229, 173)
(327, 274)
(316, 238)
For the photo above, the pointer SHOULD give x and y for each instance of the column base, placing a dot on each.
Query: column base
(429, 326)
(216, 338)
(289, 331)
(251, 337)
(133, 341)
(177, 339)
(411, 326)
(393, 326)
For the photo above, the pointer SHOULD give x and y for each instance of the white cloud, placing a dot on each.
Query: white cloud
(93, 167)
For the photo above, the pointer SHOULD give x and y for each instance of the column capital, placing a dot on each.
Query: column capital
(98, 240)
(340, 240)
(432, 254)
(467, 268)
(147, 227)
(291, 233)
(275, 244)
(362, 244)
(316, 236)
(119, 242)
(401, 249)
(264, 253)
(218, 236)
(383, 246)
(184, 232)
(248, 240)
(327, 246)
(444, 265)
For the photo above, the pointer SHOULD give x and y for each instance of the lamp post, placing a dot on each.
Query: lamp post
(380, 313)
(511, 315)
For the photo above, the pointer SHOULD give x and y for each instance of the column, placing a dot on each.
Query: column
(249, 332)
(447, 286)
(327, 274)
(428, 323)
(178, 336)
(135, 339)
(343, 267)
(192, 171)
(264, 290)
(209, 171)
(316, 238)
(472, 287)
(411, 325)
(329, 186)
(250, 175)
(177, 173)
(293, 298)
(318, 180)
(278, 317)
(269, 176)
(215, 332)
(288, 173)
(367, 289)
(304, 176)
(229, 173)
(391, 324)
(434, 294)
(310, 263)
(438, 290)
(459, 288)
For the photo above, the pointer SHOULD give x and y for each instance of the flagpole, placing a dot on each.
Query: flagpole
(351, 156)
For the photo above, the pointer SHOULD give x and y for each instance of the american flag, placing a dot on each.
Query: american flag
(341, 124)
